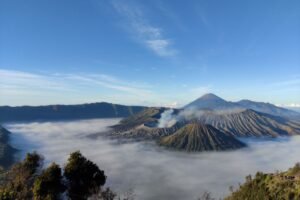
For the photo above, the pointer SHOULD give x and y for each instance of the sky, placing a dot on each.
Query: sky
(154, 53)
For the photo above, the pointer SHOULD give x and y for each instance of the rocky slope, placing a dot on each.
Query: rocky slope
(148, 117)
(200, 137)
(251, 123)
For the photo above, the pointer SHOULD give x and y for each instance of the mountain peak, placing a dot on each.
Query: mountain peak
(210, 96)
(210, 101)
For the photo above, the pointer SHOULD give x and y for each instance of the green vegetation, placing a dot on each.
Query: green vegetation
(83, 176)
(48, 185)
(81, 179)
(283, 185)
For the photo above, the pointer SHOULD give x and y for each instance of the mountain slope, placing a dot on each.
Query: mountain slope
(143, 132)
(148, 116)
(200, 137)
(6, 151)
(211, 102)
(268, 108)
(65, 112)
(143, 125)
(251, 123)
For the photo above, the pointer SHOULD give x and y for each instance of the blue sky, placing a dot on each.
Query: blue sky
(165, 52)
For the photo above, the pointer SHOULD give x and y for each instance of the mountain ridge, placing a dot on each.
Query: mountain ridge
(213, 102)
(67, 112)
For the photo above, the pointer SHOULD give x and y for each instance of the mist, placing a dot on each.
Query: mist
(151, 171)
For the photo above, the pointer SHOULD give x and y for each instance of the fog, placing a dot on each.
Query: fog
(151, 171)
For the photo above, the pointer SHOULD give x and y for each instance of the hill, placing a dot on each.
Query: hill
(148, 116)
(67, 112)
(283, 185)
(200, 137)
(6, 151)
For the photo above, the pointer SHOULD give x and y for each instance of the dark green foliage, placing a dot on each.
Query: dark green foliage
(48, 185)
(27, 180)
(83, 176)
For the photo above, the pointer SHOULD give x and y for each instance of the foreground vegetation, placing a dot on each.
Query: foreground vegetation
(81, 179)
(273, 186)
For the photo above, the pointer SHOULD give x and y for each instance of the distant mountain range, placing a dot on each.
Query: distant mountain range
(109, 110)
(67, 112)
(212, 102)
(208, 124)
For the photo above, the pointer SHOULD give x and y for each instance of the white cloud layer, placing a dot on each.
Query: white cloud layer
(153, 172)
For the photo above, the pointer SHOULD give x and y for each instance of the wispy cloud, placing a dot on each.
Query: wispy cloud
(18, 84)
(150, 36)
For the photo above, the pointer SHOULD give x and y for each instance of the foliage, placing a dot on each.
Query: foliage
(284, 185)
(26, 180)
(48, 185)
(83, 176)
(19, 179)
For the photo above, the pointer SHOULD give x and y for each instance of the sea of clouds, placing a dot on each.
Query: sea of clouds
(151, 171)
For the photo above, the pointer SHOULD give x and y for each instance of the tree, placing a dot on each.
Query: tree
(84, 178)
(48, 185)
(19, 179)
